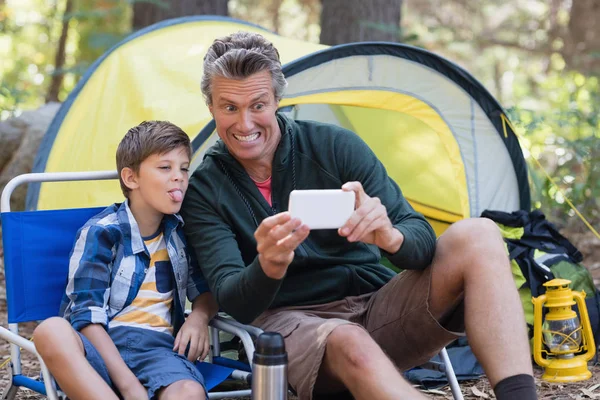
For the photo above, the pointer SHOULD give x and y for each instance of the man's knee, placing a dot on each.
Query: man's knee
(475, 241)
(473, 232)
(351, 346)
(51, 336)
(468, 243)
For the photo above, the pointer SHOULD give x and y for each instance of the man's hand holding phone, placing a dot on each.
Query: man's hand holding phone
(276, 239)
(358, 216)
(370, 223)
(322, 208)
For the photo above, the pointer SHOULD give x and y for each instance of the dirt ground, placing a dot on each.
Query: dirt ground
(471, 390)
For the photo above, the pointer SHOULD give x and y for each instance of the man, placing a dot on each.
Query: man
(348, 322)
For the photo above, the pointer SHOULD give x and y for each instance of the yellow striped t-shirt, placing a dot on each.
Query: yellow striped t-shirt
(151, 309)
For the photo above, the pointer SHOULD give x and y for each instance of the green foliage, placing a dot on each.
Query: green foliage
(17, 89)
(159, 3)
(25, 54)
(563, 136)
(29, 33)
(401, 34)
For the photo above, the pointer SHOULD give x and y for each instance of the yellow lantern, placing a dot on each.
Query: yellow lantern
(570, 343)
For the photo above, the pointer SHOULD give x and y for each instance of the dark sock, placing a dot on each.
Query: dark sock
(517, 387)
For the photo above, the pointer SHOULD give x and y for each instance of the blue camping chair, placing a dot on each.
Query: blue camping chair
(36, 253)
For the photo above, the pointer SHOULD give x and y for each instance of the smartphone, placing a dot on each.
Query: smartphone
(322, 209)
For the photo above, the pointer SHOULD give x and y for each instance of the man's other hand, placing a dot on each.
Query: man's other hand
(276, 239)
(370, 223)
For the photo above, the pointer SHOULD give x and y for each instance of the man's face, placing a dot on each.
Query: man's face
(244, 113)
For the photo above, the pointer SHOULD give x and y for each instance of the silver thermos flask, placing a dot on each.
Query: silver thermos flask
(269, 368)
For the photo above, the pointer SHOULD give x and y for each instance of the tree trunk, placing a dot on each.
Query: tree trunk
(582, 43)
(345, 21)
(147, 12)
(59, 59)
(274, 11)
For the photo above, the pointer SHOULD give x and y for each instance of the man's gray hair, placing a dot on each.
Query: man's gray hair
(238, 56)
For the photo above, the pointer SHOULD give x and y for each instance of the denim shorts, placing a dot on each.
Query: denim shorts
(149, 355)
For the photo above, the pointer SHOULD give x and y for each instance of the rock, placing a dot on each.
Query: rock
(11, 134)
(26, 131)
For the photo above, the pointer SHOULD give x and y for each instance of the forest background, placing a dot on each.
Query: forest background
(539, 58)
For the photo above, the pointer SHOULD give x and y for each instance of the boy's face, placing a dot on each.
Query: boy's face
(161, 182)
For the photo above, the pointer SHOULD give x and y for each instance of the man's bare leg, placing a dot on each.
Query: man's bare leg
(357, 363)
(62, 351)
(471, 259)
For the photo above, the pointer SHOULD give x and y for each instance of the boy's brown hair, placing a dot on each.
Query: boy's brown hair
(146, 139)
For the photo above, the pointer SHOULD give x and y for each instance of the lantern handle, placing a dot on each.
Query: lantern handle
(537, 331)
(585, 324)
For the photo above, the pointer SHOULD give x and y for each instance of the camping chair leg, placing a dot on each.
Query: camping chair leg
(10, 391)
(48, 380)
(456, 393)
(215, 344)
(14, 365)
(15, 352)
(27, 345)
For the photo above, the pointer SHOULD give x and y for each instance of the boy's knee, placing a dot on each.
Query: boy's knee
(187, 389)
(51, 336)
(50, 329)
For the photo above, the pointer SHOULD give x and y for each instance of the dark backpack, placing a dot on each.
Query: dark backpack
(539, 253)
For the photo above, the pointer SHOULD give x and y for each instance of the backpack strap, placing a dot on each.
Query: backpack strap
(516, 219)
(535, 273)
(540, 229)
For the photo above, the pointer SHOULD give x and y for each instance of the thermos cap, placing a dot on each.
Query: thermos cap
(270, 343)
(270, 349)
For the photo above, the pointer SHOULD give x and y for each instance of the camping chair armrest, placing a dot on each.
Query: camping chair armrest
(30, 347)
(252, 330)
(235, 328)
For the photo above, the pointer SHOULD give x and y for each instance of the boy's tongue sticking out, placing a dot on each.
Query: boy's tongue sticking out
(176, 195)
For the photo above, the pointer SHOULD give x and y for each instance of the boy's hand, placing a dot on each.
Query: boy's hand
(135, 391)
(195, 332)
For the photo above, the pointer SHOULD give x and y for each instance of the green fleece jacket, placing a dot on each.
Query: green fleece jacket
(223, 207)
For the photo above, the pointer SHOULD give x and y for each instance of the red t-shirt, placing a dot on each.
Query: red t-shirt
(265, 189)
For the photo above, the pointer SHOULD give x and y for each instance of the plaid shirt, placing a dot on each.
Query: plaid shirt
(108, 264)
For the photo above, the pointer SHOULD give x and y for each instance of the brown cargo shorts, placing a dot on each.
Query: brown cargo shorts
(396, 316)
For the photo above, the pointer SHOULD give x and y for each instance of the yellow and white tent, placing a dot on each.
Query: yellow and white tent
(441, 135)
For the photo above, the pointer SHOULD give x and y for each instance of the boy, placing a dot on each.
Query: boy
(129, 273)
